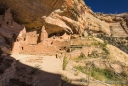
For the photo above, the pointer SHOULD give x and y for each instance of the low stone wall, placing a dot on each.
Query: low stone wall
(7, 70)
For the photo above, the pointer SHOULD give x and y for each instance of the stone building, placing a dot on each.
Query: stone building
(9, 29)
(38, 43)
(44, 34)
(23, 42)
(8, 26)
(32, 38)
(7, 70)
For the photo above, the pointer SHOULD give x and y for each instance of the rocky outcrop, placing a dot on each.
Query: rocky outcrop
(71, 16)
(31, 13)
(116, 18)
(56, 27)
(58, 17)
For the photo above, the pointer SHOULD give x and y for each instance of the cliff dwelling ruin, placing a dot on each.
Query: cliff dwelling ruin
(23, 42)
(59, 40)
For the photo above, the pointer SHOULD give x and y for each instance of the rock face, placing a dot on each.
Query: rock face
(57, 27)
(53, 21)
(71, 16)
(31, 12)
(7, 70)
(8, 27)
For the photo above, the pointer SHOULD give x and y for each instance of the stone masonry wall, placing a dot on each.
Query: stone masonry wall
(7, 70)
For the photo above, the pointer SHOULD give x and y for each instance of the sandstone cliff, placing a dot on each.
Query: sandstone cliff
(65, 28)
(72, 16)
(35, 13)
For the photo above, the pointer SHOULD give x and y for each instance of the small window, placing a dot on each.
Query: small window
(51, 43)
(24, 39)
(7, 23)
(22, 48)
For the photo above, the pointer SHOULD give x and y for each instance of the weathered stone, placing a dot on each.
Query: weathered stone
(7, 70)
(44, 34)
(8, 27)
(71, 16)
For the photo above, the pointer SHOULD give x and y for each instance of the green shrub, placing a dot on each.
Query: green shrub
(36, 68)
(96, 43)
(99, 44)
(80, 68)
(94, 54)
(101, 74)
(65, 62)
(106, 51)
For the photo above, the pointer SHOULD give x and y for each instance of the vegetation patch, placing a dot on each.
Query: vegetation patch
(81, 57)
(99, 44)
(106, 51)
(65, 62)
(94, 54)
(102, 74)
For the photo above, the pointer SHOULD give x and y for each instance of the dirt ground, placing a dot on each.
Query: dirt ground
(48, 68)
